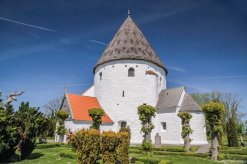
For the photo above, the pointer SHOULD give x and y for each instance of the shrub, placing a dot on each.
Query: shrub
(123, 147)
(109, 144)
(86, 143)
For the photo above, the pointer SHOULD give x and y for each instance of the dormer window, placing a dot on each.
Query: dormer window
(131, 72)
(100, 76)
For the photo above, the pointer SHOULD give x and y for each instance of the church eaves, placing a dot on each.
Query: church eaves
(129, 43)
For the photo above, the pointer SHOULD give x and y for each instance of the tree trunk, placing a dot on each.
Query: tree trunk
(147, 136)
(214, 145)
(187, 143)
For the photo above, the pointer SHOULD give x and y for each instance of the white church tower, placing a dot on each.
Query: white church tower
(128, 74)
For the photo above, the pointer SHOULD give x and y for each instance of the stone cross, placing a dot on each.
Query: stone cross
(157, 143)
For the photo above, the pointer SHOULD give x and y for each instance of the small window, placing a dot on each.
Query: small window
(100, 75)
(123, 94)
(163, 125)
(131, 72)
(123, 124)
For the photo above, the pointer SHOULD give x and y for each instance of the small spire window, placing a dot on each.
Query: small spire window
(131, 72)
(123, 94)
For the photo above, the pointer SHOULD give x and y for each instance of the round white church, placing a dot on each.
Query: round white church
(128, 74)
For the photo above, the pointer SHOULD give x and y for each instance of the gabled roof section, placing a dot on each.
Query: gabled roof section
(169, 98)
(81, 104)
(189, 104)
(129, 43)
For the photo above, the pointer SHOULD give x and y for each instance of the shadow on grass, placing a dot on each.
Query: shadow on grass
(35, 155)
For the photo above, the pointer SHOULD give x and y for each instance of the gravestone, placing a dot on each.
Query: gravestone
(157, 140)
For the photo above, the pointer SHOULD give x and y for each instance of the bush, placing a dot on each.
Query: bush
(86, 143)
(123, 147)
(109, 144)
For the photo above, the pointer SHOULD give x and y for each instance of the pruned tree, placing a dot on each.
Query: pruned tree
(213, 112)
(61, 117)
(186, 130)
(96, 115)
(146, 113)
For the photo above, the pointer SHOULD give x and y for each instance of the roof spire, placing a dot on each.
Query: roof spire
(128, 12)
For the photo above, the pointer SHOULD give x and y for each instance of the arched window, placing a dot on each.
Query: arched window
(131, 72)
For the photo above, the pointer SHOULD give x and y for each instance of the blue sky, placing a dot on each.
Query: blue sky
(45, 45)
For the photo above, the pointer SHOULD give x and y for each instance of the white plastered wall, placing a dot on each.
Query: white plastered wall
(142, 88)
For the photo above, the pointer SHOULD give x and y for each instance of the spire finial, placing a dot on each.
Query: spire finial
(65, 89)
(128, 12)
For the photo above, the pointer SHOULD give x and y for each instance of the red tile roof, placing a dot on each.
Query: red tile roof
(80, 106)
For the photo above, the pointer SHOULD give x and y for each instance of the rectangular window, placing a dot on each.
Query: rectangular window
(123, 94)
(100, 75)
(123, 124)
(163, 125)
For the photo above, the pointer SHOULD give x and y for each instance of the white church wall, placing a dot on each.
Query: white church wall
(75, 126)
(89, 92)
(197, 124)
(139, 89)
(172, 134)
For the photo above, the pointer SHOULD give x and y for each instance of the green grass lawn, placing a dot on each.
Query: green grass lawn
(52, 155)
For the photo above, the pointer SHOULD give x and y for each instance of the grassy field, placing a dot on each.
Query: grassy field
(53, 156)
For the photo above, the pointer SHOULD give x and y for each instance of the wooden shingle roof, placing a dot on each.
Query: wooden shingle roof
(129, 43)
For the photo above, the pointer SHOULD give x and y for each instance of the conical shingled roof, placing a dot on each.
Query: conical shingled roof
(129, 43)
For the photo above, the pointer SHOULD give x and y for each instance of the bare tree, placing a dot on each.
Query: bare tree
(53, 106)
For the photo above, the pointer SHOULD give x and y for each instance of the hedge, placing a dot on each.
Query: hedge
(147, 160)
(114, 147)
(181, 154)
(170, 149)
(86, 143)
(68, 155)
(238, 152)
(123, 147)
(234, 157)
(47, 145)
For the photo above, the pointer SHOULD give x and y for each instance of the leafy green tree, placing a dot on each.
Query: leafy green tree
(43, 124)
(9, 136)
(96, 115)
(213, 112)
(146, 112)
(186, 130)
(61, 117)
(26, 118)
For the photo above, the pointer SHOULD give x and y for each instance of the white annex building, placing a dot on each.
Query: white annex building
(128, 74)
